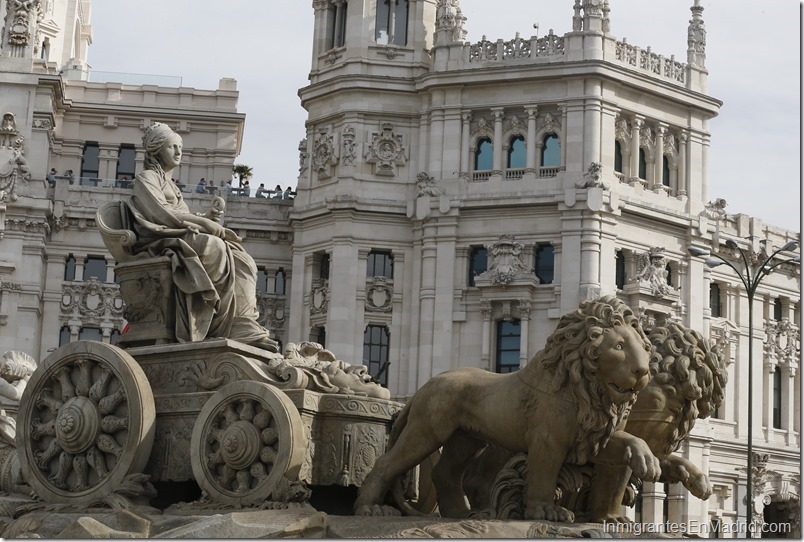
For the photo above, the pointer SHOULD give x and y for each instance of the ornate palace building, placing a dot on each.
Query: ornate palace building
(454, 199)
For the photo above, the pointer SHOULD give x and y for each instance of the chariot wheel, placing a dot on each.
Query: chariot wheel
(85, 423)
(248, 436)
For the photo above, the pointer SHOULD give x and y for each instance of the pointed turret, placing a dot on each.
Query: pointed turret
(696, 37)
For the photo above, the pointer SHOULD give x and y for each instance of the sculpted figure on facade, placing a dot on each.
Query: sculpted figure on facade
(214, 277)
(426, 186)
(506, 262)
(449, 22)
(652, 269)
(563, 406)
(325, 373)
(386, 151)
(16, 369)
(593, 178)
(26, 12)
(13, 165)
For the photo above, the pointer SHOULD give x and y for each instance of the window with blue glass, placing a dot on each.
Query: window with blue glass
(508, 340)
(516, 153)
(545, 263)
(551, 151)
(478, 263)
(484, 155)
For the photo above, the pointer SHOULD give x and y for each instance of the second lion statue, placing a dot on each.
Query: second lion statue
(563, 406)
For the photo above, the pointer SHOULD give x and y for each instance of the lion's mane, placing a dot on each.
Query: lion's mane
(571, 354)
(684, 362)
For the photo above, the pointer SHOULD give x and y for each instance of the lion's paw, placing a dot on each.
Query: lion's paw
(548, 511)
(698, 485)
(377, 510)
(642, 461)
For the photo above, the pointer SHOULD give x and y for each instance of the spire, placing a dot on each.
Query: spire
(449, 22)
(696, 37)
(595, 12)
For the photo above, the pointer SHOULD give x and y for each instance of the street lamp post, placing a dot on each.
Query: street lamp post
(750, 275)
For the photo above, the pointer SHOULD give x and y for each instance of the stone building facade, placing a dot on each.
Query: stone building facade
(454, 199)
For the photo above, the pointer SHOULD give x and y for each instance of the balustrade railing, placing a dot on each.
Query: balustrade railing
(648, 61)
(517, 48)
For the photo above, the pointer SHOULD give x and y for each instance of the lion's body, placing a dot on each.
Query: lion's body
(562, 406)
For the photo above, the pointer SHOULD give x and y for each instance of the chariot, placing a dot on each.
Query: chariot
(100, 422)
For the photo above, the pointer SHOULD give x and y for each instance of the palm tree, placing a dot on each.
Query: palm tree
(243, 172)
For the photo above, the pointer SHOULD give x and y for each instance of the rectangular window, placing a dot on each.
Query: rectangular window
(321, 336)
(508, 341)
(90, 161)
(714, 300)
(619, 270)
(126, 162)
(777, 398)
(64, 335)
(323, 266)
(95, 266)
(375, 352)
(380, 264)
(478, 263)
(777, 309)
(545, 263)
(90, 334)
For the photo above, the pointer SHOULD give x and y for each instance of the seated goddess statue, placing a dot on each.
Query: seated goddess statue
(215, 277)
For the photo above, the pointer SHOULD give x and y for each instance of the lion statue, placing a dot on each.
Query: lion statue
(563, 406)
(688, 382)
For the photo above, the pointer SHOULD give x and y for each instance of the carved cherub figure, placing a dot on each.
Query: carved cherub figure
(16, 369)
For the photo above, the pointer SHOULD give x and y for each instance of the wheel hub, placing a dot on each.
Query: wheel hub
(240, 445)
(77, 425)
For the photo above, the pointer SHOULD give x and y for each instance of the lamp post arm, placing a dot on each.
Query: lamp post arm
(744, 278)
(765, 269)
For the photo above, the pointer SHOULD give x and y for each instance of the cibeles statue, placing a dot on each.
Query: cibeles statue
(16, 369)
(214, 275)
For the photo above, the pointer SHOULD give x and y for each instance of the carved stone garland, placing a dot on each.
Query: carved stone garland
(324, 155)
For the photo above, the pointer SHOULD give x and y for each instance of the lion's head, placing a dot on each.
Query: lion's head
(689, 373)
(601, 353)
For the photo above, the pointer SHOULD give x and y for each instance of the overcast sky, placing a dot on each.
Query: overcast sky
(753, 54)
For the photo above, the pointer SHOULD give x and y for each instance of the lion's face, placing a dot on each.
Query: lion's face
(623, 357)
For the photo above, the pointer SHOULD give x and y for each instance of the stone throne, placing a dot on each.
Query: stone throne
(146, 282)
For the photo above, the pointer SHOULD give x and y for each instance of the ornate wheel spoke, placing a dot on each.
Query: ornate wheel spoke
(97, 462)
(43, 458)
(109, 403)
(46, 400)
(59, 478)
(39, 429)
(84, 377)
(100, 430)
(63, 378)
(80, 469)
(113, 424)
(235, 465)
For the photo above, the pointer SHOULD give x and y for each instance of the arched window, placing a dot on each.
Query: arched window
(69, 267)
(64, 335)
(279, 282)
(516, 153)
(508, 341)
(375, 352)
(665, 171)
(551, 151)
(484, 155)
(618, 157)
(643, 165)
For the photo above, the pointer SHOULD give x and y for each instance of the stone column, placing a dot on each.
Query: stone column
(788, 402)
(485, 353)
(530, 155)
(466, 118)
(590, 258)
(562, 137)
(74, 331)
(658, 158)
(436, 134)
(79, 269)
(109, 271)
(341, 323)
(498, 130)
(427, 294)
(683, 141)
(653, 502)
(524, 320)
(636, 127)
(391, 20)
(592, 123)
